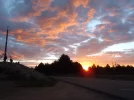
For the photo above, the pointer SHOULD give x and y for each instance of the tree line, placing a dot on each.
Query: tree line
(115, 69)
(65, 66)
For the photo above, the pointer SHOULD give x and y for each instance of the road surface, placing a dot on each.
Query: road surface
(121, 89)
(61, 91)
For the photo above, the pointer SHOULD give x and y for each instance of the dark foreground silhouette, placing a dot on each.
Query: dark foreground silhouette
(23, 76)
(63, 66)
(66, 67)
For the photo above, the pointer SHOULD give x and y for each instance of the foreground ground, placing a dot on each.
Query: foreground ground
(121, 89)
(61, 91)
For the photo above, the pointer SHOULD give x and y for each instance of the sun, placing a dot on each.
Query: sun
(85, 68)
(86, 65)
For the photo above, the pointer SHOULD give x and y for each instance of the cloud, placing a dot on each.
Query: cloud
(41, 29)
(40, 6)
(77, 3)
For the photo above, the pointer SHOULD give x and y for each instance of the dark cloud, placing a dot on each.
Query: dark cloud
(60, 4)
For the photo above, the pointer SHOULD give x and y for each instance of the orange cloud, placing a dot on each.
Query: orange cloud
(77, 3)
(26, 36)
(17, 56)
(51, 26)
(39, 6)
(111, 31)
(102, 27)
(91, 14)
(58, 24)
(98, 60)
(20, 19)
(1, 52)
(114, 14)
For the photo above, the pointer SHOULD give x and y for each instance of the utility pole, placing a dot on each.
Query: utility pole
(5, 53)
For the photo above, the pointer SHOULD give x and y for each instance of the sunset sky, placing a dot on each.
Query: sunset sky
(89, 31)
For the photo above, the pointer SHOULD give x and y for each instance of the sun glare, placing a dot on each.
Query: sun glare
(86, 65)
(85, 68)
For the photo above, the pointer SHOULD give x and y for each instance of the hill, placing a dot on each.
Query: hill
(22, 75)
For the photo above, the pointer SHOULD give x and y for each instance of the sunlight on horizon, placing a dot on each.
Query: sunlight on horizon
(85, 68)
(86, 65)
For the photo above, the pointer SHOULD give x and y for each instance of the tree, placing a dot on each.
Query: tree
(93, 66)
(63, 66)
(40, 67)
(107, 66)
(64, 59)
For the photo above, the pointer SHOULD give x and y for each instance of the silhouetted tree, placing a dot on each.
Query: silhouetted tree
(93, 66)
(40, 67)
(63, 66)
(108, 66)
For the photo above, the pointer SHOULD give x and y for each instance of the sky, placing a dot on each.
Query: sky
(89, 31)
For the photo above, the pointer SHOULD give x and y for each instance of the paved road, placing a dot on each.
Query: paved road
(61, 91)
(123, 89)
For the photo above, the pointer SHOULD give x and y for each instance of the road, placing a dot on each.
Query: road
(61, 91)
(121, 89)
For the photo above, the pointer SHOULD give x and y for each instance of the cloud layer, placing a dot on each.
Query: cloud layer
(44, 29)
